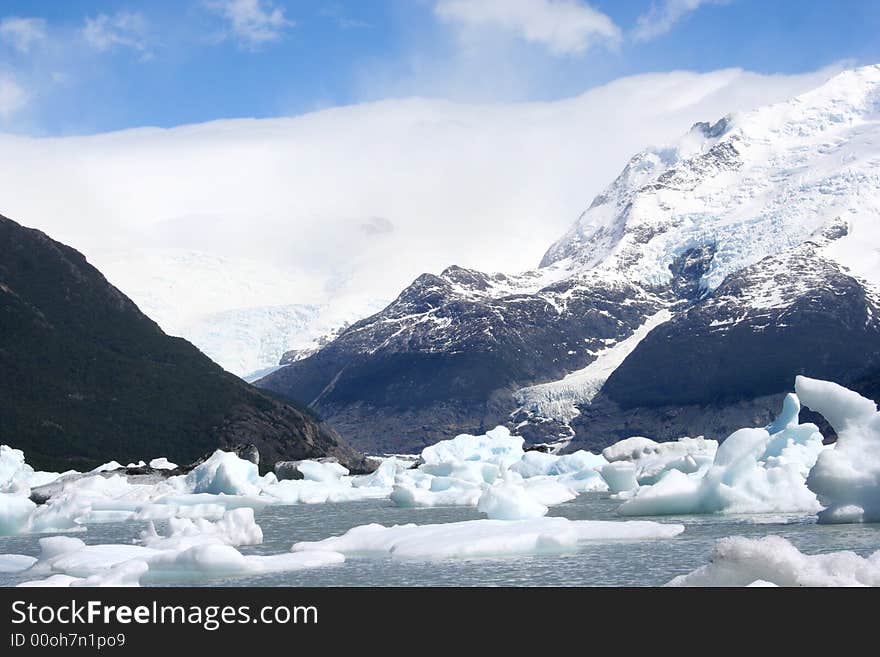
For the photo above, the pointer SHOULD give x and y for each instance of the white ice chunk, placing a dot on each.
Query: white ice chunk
(536, 464)
(215, 560)
(321, 472)
(509, 501)
(190, 550)
(631, 449)
(51, 582)
(225, 472)
(486, 538)
(496, 446)
(619, 475)
(162, 464)
(236, 527)
(407, 495)
(772, 560)
(15, 513)
(108, 467)
(846, 478)
(752, 472)
(381, 477)
(15, 563)
(640, 449)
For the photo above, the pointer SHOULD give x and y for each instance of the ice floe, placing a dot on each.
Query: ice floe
(773, 561)
(191, 550)
(162, 464)
(486, 538)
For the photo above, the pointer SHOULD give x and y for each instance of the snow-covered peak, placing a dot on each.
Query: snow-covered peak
(748, 186)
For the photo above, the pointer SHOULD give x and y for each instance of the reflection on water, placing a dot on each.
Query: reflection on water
(647, 563)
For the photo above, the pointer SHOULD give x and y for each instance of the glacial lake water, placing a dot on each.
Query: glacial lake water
(644, 563)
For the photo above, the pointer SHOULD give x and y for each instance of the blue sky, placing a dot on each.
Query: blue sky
(86, 66)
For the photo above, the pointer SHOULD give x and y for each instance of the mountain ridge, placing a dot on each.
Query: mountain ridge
(672, 232)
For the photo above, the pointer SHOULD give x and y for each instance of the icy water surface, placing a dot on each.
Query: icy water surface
(647, 563)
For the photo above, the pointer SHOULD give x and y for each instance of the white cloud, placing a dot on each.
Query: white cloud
(22, 33)
(124, 29)
(252, 22)
(564, 27)
(349, 204)
(664, 14)
(12, 96)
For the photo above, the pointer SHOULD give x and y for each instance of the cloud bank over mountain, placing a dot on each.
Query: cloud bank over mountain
(347, 205)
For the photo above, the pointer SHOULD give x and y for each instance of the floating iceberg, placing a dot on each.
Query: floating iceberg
(323, 472)
(639, 461)
(493, 473)
(456, 472)
(753, 471)
(620, 476)
(236, 527)
(225, 473)
(509, 501)
(497, 447)
(773, 561)
(162, 464)
(15, 513)
(191, 549)
(846, 478)
(535, 464)
(486, 538)
(15, 563)
(15, 473)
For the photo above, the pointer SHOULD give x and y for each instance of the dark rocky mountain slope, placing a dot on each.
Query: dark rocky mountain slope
(85, 377)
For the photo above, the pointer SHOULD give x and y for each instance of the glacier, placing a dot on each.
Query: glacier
(558, 400)
(752, 185)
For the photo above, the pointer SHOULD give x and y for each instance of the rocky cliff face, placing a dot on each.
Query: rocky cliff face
(85, 376)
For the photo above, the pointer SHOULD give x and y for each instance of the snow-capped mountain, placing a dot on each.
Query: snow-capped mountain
(683, 301)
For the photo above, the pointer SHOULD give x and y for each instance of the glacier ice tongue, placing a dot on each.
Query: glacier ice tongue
(846, 478)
